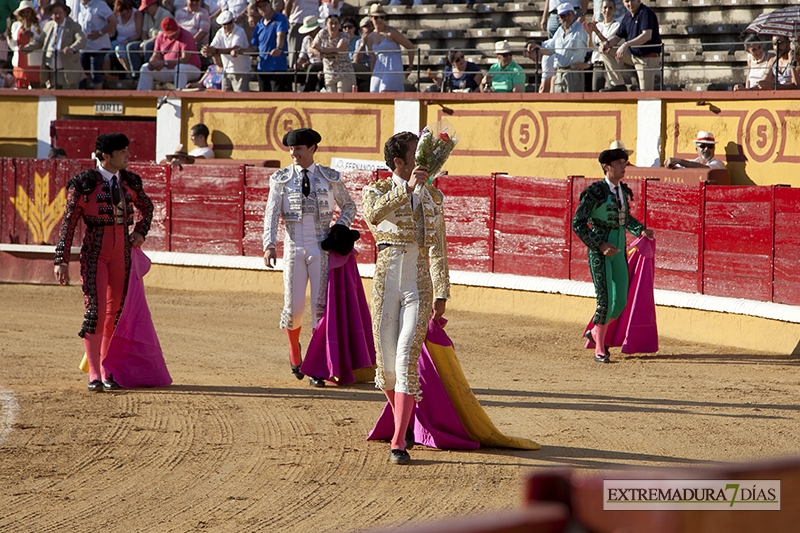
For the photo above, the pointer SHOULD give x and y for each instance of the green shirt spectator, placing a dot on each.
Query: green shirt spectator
(505, 76)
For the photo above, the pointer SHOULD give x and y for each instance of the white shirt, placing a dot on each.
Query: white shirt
(94, 17)
(615, 189)
(204, 151)
(608, 30)
(238, 37)
(711, 163)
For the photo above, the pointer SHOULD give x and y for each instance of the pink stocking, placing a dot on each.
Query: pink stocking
(599, 334)
(295, 357)
(403, 409)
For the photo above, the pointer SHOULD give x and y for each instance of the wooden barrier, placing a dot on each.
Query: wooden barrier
(725, 241)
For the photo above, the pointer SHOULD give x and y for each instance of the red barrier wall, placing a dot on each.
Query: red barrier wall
(726, 241)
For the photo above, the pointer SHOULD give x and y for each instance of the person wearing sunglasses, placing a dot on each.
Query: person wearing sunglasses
(386, 61)
(705, 144)
(780, 73)
(505, 76)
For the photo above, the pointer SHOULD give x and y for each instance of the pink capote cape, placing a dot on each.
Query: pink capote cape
(635, 329)
(134, 354)
(435, 421)
(343, 339)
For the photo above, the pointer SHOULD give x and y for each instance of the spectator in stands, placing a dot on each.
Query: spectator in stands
(62, 38)
(57, 153)
(23, 31)
(505, 76)
(98, 23)
(601, 31)
(228, 45)
(309, 61)
(174, 58)
(386, 62)
(550, 23)
(568, 46)
(269, 39)
(705, 146)
(139, 52)
(757, 60)
(779, 73)
(129, 30)
(333, 44)
(212, 77)
(359, 57)
(296, 12)
(459, 75)
(199, 135)
(642, 48)
(194, 19)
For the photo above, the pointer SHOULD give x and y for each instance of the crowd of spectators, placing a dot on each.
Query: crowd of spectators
(306, 45)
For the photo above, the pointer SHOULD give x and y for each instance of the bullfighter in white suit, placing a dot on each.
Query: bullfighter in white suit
(303, 194)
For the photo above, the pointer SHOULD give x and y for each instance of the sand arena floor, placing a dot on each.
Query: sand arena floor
(237, 444)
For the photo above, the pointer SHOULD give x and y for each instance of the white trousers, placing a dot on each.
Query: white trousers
(179, 79)
(304, 268)
(403, 317)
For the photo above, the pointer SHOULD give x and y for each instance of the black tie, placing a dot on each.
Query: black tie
(306, 183)
(116, 195)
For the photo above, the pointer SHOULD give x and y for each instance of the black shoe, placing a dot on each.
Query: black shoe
(316, 382)
(399, 457)
(614, 88)
(409, 437)
(297, 373)
(110, 384)
(96, 386)
(601, 358)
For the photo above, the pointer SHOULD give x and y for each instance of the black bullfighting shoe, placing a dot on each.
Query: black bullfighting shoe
(96, 386)
(316, 382)
(110, 384)
(399, 457)
(296, 372)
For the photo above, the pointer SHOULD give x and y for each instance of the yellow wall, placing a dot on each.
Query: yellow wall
(544, 139)
(722, 329)
(18, 116)
(758, 140)
(84, 107)
(242, 129)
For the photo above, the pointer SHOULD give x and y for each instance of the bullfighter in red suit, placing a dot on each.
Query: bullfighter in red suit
(104, 199)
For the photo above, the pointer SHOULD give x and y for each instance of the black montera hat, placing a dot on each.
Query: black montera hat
(341, 239)
(607, 156)
(305, 136)
(108, 143)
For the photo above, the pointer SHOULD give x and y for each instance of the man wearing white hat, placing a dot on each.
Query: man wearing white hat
(568, 45)
(308, 61)
(505, 76)
(227, 46)
(705, 146)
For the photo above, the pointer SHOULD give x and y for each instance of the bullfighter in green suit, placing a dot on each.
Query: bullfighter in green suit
(600, 221)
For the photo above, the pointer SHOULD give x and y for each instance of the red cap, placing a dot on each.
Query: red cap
(169, 25)
(146, 3)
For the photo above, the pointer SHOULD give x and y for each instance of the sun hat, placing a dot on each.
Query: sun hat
(310, 23)
(502, 47)
(376, 9)
(619, 145)
(705, 137)
(226, 17)
(25, 4)
(49, 9)
(364, 22)
(564, 8)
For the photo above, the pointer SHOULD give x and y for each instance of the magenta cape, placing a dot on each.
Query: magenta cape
(635, 329)
(134, 354)
(435, 421)
(343, 339)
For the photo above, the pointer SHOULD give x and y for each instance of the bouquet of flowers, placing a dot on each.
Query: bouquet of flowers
(436, 142)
